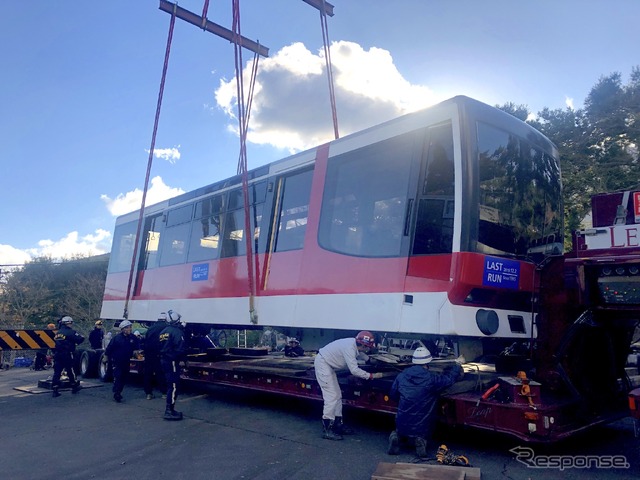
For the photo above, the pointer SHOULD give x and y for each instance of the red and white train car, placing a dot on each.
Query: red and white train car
(428, 225)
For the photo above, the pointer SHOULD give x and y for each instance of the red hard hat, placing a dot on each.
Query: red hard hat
(366, 338)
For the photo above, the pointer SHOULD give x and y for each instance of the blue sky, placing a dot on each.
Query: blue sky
(80, 82)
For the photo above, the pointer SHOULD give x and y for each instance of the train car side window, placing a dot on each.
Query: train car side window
(233, 241)
(205, 230)
(174, 245)
(122, 247)
(294, 210)
(179, 215)
(151, 241)
(365, 198)
(175, 238)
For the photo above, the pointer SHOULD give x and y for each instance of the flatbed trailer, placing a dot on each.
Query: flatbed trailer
(486, 398)
(292, 377)
(537, 416)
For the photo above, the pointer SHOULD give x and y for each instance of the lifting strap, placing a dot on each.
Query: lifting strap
(125, 314)
(327, 58)
(205, 9)
(243, 124)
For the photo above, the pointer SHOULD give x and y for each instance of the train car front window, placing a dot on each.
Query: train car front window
(520, 207)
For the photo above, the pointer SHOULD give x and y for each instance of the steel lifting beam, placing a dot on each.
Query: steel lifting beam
(328, 8)
(211, 27)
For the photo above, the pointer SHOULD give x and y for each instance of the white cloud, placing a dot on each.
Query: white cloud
(73, 245)
(171, 155)
(12, 256)
(291, 107)
(96, 243)
(568, 101)
(131, 201)
(69, 246)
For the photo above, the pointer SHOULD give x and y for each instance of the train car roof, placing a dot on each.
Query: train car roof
(465, 105)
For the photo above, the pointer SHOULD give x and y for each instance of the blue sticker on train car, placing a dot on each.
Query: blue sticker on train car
(199, 272)
(500, 272)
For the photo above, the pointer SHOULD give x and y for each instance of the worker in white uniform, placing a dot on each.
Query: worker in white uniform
(338, 355)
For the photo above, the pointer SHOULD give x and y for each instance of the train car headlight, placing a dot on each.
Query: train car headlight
(487, 321)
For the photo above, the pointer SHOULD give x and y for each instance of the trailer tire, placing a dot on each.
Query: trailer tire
(104, 369)
(89, 363)
(77, 357)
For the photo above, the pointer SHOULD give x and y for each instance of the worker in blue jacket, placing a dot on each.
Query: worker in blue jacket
(66, 339)
(417, 389)
(153, 373)
(173, 349)
(119, 351)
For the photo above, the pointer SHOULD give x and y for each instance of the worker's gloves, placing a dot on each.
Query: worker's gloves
(461, 360)
(377, 375)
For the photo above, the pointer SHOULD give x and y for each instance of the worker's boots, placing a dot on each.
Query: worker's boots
(55, 393)
(421, 447)
(171, 414)
(329, 433)
(394, 444)
(340, 428)
(76, 387)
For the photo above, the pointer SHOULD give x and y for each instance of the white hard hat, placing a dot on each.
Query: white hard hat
(421, 356)
(174, 317)
(125, 324)
(162, 316)
(66, 320)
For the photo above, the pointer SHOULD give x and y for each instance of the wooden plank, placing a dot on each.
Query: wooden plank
(413, 471)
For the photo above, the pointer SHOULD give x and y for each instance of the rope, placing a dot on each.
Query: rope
(327, 57)
(125, 314)
(243, 123)
(205, 9)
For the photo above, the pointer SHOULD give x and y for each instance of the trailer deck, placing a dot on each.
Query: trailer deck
(290, 376)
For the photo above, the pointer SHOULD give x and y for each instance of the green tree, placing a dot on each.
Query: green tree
(612, 111)
(566, 128)
(598, 144)
(521, 112)
(42, 291)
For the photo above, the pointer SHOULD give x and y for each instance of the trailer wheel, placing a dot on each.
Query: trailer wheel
(89, 364)
(77, 360)
(104, 369)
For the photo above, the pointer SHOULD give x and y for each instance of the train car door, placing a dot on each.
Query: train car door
(430, 257)
(283, 257)
(150, 241)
